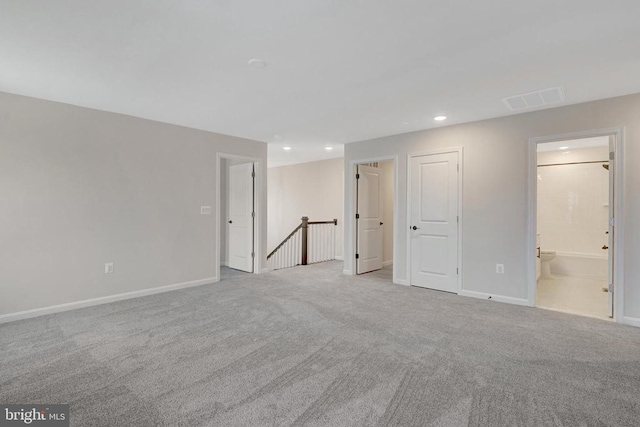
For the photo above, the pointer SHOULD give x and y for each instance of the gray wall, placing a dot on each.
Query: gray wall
(495, 169)
(387, 211)
(80, 187)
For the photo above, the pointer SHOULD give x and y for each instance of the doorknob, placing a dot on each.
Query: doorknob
(230, 222)
(382, 223)
(605, 247)
(415, 228)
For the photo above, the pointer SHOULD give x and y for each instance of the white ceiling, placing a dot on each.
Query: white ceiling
(337, 71)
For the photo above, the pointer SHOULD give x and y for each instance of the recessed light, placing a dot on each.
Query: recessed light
(563, 148)
(286, 148)
(440, 118)
(257, 63)
(328, 148)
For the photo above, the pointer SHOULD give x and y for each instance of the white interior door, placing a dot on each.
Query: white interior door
(369, 219)
(240, 217)
(434, 221)
(610, 251)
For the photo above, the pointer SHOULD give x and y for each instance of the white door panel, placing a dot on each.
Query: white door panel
(240, 217)
(434, 188)
(434, 221)
(434, 251)
(369, 219)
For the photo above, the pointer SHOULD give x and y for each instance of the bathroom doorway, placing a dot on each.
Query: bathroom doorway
(574, 213)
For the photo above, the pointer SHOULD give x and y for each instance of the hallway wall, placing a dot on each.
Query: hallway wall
(495, 186)
(387, 211)
(80, 188)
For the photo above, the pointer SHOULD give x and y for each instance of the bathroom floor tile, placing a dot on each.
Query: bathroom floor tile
(573, 295)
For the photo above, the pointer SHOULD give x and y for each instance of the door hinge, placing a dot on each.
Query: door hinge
(612, 155)
(253, 254)
(357, 216)
(357, 176)
(253, 174)
(253, 214)
(457, 270)
(458, 219)
(458, 167)
(357, 256)
(612, 222)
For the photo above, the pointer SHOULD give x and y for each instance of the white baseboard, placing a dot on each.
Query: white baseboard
(27, 314)
(340, 258)
(385, 263)
(631, 321)
(499, 298)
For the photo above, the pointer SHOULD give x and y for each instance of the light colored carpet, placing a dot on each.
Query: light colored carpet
(309, 346)
(227, 273)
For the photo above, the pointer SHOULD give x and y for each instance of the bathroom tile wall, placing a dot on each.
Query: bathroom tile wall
(573, 204)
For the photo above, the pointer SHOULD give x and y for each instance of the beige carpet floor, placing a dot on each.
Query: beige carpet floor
(310, 346)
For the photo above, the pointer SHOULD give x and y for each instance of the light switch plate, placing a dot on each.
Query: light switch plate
(500, 268)
(205, 210)
(108, 268)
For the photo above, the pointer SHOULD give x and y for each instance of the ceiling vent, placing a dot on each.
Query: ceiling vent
(538, 99)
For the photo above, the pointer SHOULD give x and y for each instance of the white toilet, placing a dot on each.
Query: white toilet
(545, 259)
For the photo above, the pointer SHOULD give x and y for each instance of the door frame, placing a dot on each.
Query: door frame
(618, 228)
(350, 215)
(460, 152)
(257, 196)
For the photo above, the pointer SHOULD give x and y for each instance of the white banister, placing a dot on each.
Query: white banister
(320, 240)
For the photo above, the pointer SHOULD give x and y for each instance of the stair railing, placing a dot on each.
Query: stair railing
(308, 243)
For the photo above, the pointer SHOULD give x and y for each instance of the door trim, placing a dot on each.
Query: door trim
(618, 205)
(460, 152)
(350, 214)
(257, 220)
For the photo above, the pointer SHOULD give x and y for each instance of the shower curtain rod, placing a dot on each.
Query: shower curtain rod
(574, 163)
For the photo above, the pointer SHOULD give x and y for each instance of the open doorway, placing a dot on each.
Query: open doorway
(374, 202)
(237, 217)
(574, 210)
